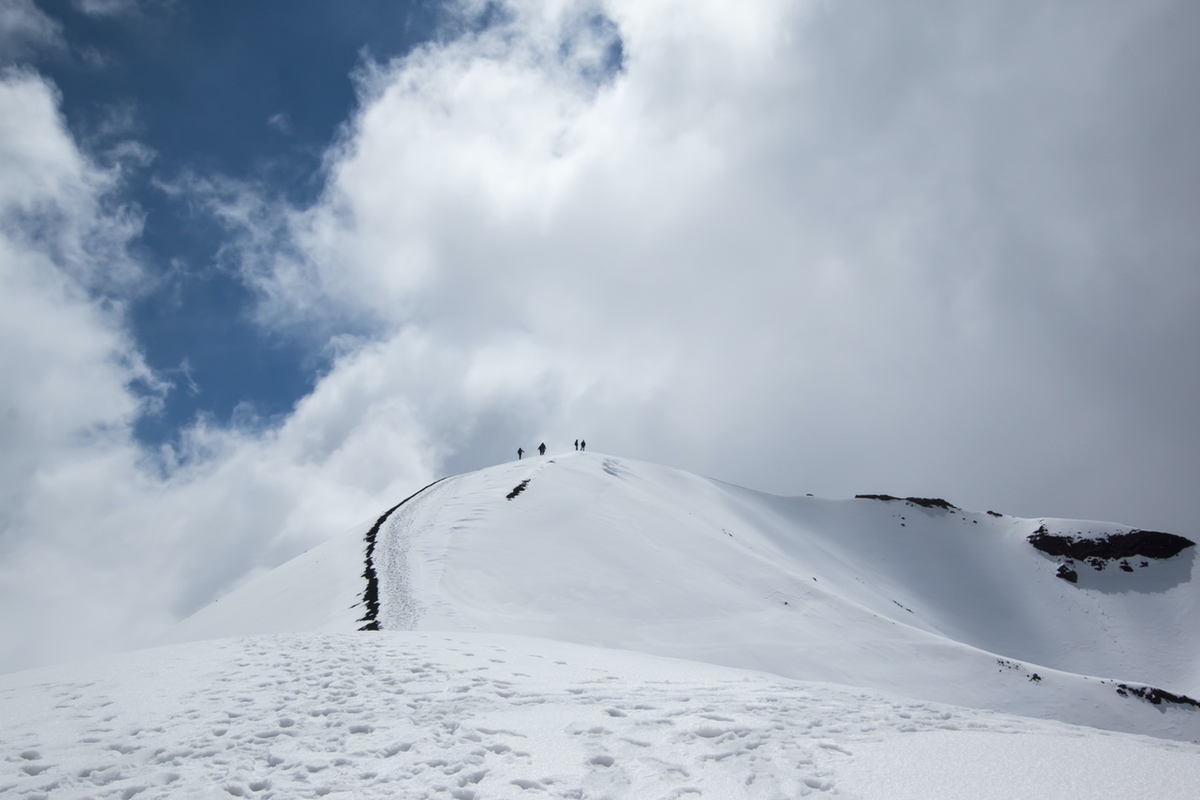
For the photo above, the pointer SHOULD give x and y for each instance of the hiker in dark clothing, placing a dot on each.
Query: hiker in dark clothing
(583, 445)
(576, 444)
(542, 449)
(520, 453)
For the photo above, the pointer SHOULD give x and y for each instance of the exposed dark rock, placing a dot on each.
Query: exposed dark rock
(1067, 574)
(932, 502)
(924, 502)
(1125, 566)
(371, 593)
(1150, 544)
(1155, 696)
(995, 514)
(520, 487)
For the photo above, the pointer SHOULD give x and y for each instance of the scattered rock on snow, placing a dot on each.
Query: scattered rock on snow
(1067, 574)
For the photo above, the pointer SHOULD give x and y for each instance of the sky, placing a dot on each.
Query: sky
(266, 269)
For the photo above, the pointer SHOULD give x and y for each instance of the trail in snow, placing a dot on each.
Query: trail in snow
(412, 546)
(371, 592)
(470, 716)
(400, 608)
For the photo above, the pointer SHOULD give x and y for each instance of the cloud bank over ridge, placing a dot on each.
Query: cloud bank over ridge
(874, 240)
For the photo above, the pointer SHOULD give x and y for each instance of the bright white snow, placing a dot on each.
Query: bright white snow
(949, 606)
(473, 716)
(906, 609)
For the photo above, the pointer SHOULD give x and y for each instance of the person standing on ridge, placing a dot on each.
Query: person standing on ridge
(583, 445)
(542, 449)
(520, 453)
(576, 444)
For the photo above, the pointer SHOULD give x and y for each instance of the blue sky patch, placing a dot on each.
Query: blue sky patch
(251, 91)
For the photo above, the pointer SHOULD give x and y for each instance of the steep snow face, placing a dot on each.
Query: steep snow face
(934, 603)
(472, 716)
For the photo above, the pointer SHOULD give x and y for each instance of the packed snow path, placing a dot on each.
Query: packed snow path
(467, 716)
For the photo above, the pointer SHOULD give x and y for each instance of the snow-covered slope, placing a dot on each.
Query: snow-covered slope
(927, 601)
(316, 591)
(474, 716)
(483, 595)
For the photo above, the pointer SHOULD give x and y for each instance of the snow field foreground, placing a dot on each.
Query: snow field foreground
(474, 716)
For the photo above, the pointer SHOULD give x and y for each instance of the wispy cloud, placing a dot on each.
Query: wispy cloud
(25, 30)
(280, 122)
(106, 8)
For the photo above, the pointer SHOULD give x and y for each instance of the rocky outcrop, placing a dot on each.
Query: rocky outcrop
(1114, 546)
(924, 502)
(1100, 551)
(1155, 696)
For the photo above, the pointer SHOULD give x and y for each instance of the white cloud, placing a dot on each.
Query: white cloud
(805, 247)
(101, 543)
(281, 122)
(24, 30)
(52, 197)
(106, 8)
(800, 245)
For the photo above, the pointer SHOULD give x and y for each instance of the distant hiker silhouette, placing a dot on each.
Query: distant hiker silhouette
(520, 453)
(542, 449)
(583, 445)
(576, 444)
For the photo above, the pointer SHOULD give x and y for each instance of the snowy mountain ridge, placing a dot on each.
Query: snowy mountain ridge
(910, 596)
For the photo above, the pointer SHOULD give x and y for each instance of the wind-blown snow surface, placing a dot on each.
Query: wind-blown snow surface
(762, 603)
(473, 716)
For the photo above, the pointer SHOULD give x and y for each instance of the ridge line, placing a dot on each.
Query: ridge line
(371, 593)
